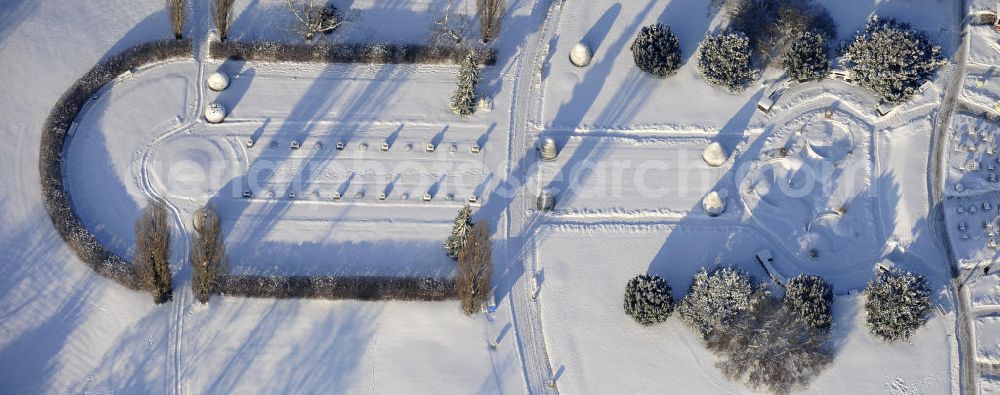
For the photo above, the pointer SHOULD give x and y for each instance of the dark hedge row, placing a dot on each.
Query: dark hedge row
(57, 125)
(337, 287)
(346, 53)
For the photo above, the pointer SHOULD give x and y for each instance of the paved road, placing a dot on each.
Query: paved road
(936, 173)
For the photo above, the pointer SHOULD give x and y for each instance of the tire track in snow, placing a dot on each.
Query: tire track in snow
(525, 311)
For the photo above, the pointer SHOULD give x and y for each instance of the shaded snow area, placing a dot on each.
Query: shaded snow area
(982, 89)
(359, 170)
(984, 41)
(363, 21)
(973, 188)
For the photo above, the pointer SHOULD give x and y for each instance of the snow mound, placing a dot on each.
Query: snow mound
(580, 56)
(218, 81)
(714, 204)
(215, 112)
(714, 154)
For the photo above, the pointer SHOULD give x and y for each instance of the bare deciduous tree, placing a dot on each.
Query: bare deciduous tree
(152, 252)
(490, 14)
(208, 253)
(769, 348)
(178, 15)
(473, 279)
(451, 28)
(222, 14)
(314, 16)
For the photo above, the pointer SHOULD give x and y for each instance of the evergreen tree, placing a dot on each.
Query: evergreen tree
(459, 232)
(897, 304)
(809, 299)
(806, 58)
(891, 59)
(726, 59)
(716, 298)
(463, 101)
(657, 51)
(648, 299)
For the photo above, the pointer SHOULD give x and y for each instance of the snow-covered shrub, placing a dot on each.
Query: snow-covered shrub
(725, 59)
(809, 299)
(715, 299)
(53, 138)
(177, 10)
(806, 57)
(460, 230)
(208, 253)
(474, 274)
(152, 252)
(313, 16)
(770, 24)
(337, 287)
(490, 14)
(767, 346)
(222, 15)
(891, 59)
(897, 304)
(270, 51)
(463, 101)
(657, 51)
(648, 299)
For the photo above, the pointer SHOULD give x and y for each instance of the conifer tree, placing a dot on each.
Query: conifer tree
(463, 101)
(459, 232)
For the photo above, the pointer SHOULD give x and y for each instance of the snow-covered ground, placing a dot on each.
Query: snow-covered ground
(629, 182)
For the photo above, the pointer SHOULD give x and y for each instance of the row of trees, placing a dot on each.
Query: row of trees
(152, 252)
(891, 59)
(469, 244)
(778, 344)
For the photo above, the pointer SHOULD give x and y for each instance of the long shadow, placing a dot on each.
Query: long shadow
(230, 98)
(570, 113)
(13, 13)
(46, 306)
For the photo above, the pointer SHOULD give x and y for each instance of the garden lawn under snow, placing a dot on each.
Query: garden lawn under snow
(67, 330)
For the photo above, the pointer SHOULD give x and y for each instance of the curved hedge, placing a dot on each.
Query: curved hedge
(59, 205)
(56, 129)
(337, 287)
(383, 53)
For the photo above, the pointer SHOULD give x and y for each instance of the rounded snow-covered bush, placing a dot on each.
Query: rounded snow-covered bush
(715, 299)
(890, 58)
(580, 55)
(215, 112)
(714, 154)
(726, 59)
(648, 299)
(657, 51)
(806, 58)
(897, 304)
(218, 81)
(809, 300)
(714, 204)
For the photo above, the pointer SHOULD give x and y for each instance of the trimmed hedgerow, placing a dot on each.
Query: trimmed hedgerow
(57, 125)
(271, 51)
(337, 287)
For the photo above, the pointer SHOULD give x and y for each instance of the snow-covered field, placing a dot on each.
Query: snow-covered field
(821, 181)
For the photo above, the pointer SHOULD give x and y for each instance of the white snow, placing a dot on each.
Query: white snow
(713, 204)
(714, 154)
(580, 55)
(218, 81)
(629, 183)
